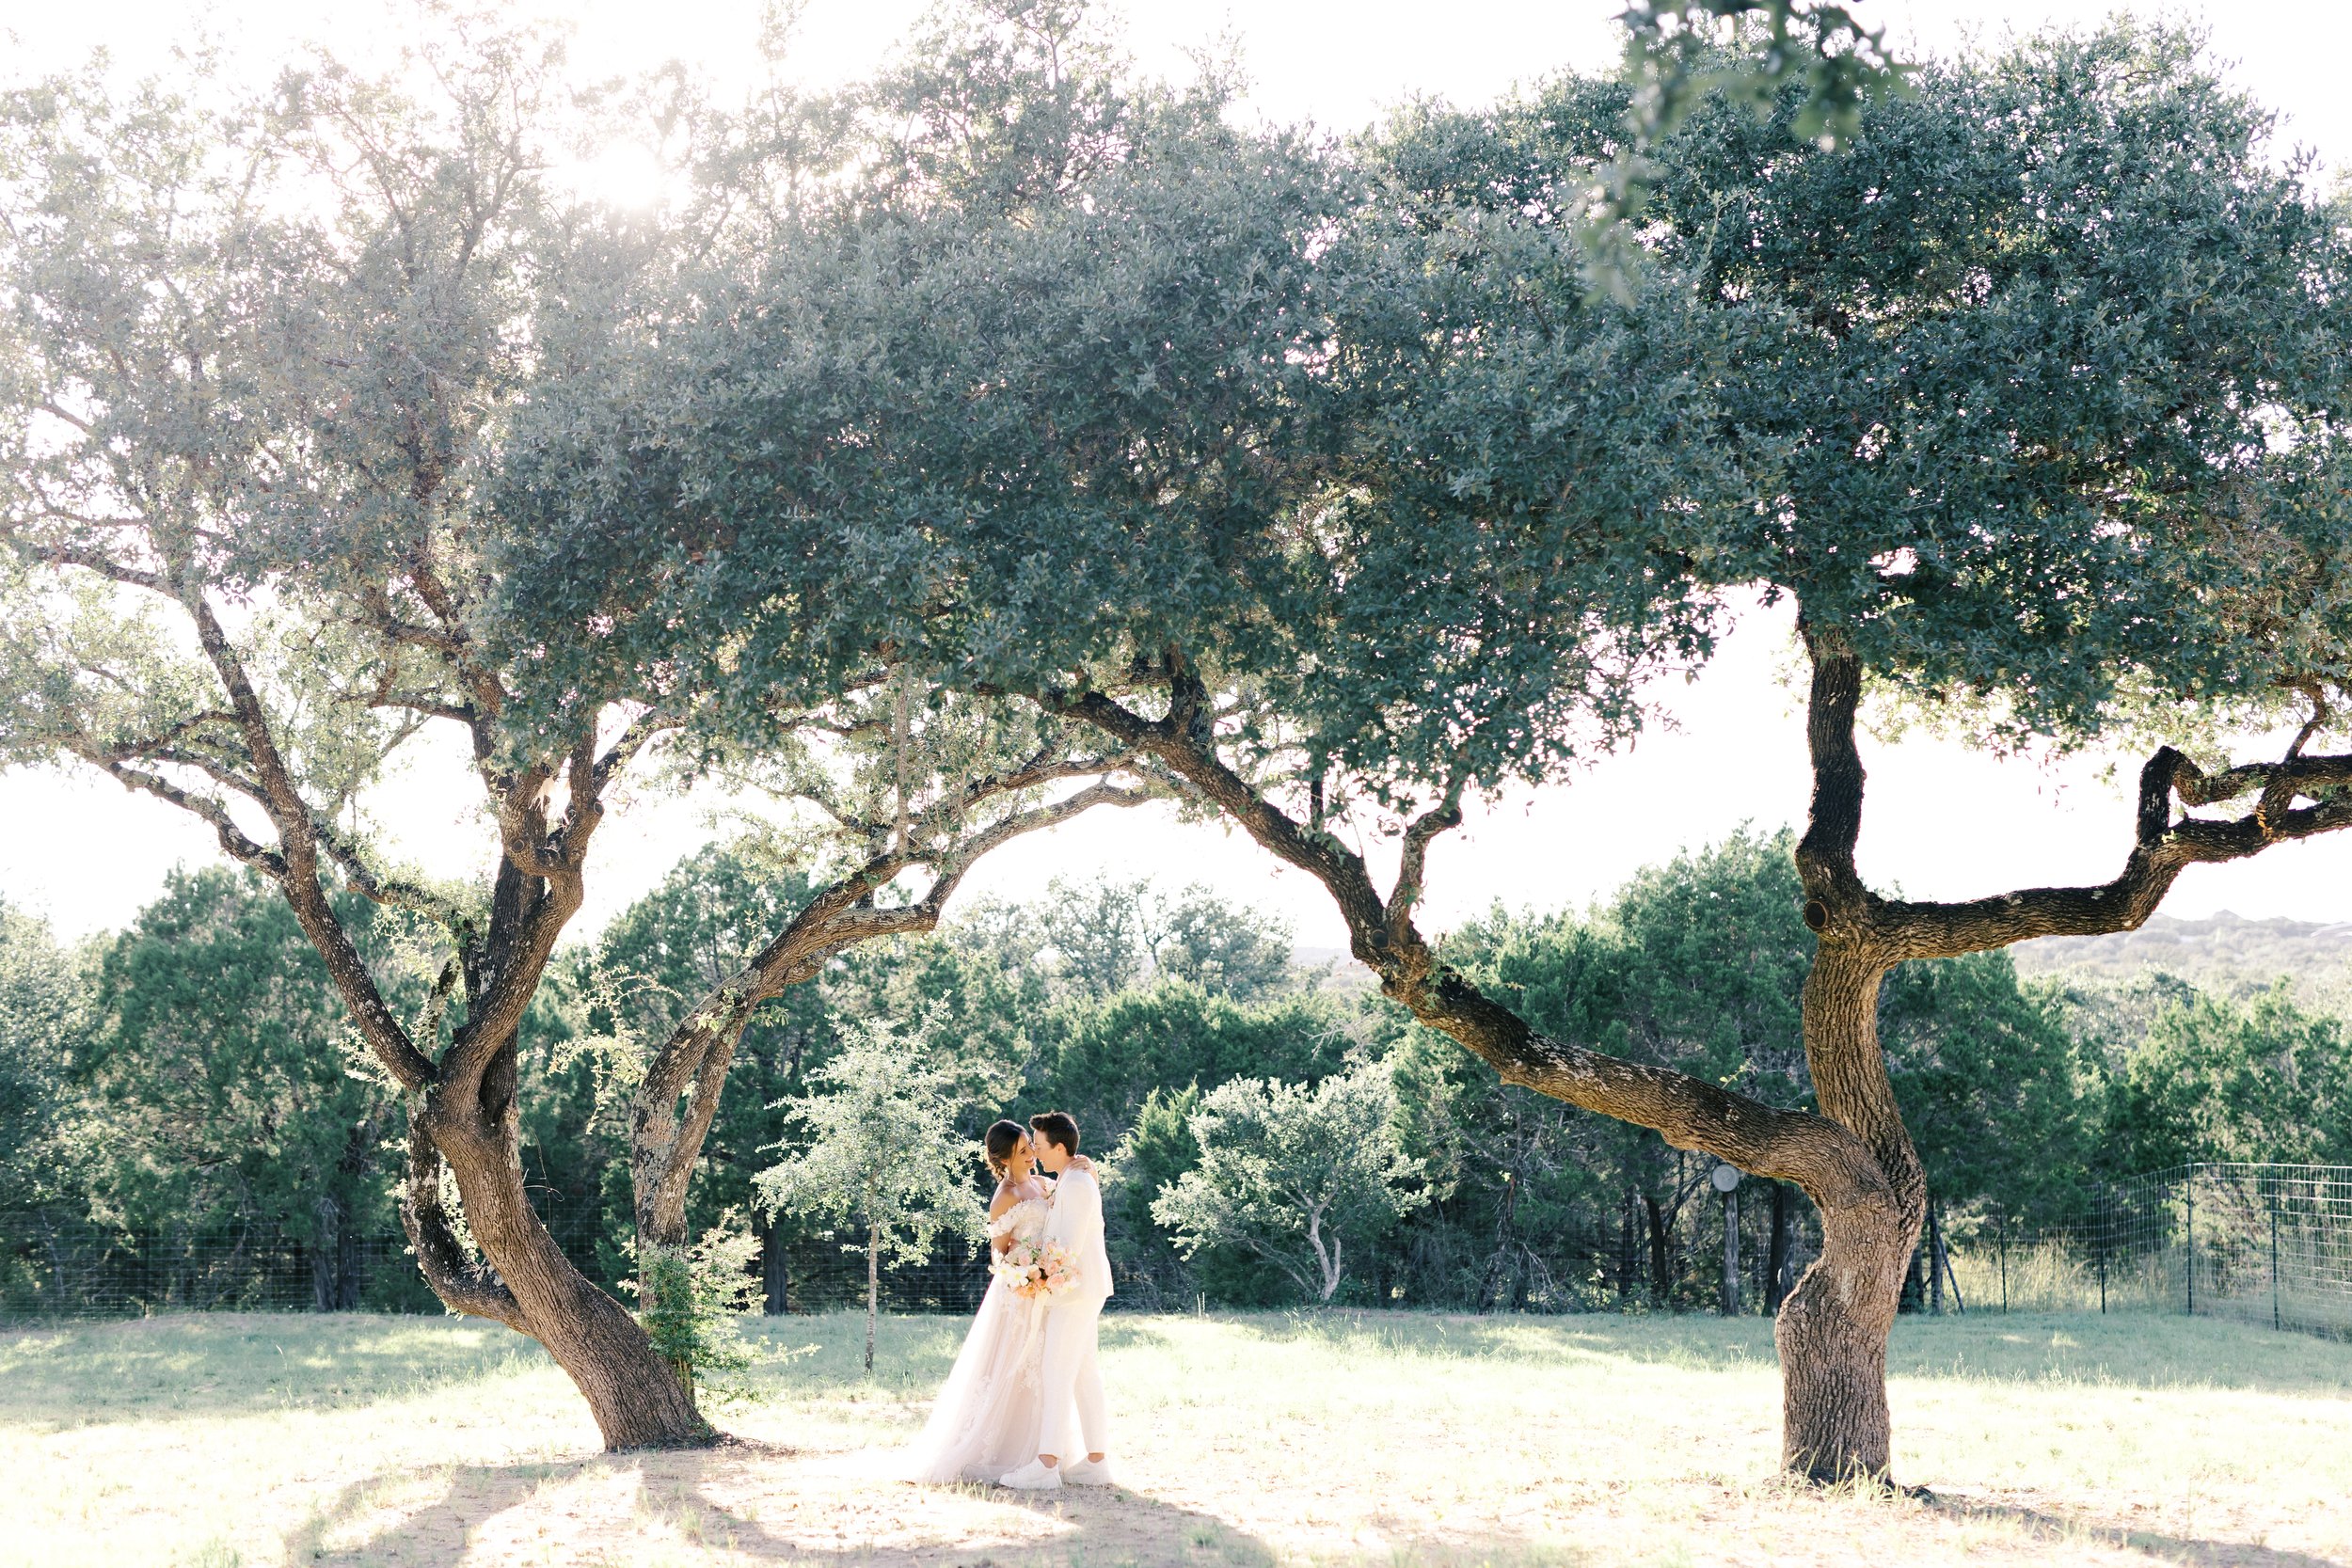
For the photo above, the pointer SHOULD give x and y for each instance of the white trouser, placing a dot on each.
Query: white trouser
(1072, 1384)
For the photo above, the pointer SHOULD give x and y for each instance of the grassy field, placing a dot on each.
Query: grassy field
(1389, 1440)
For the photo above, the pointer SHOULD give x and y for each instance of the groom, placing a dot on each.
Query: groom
(1072, 1385)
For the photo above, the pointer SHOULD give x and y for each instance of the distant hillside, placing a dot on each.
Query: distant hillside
(1342, 971)
(2226, 952)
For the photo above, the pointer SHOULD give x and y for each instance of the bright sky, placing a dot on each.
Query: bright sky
(1942, 822)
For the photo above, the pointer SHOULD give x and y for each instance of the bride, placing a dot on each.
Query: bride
(989, 1409)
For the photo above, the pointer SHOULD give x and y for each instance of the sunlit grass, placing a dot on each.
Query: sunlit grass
(1400, 1440)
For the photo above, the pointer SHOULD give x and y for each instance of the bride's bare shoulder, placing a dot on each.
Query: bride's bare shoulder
(1004, 1198)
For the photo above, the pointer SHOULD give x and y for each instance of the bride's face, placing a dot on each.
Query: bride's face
(1020, 1162)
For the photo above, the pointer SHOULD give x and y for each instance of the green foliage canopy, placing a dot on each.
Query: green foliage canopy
(2041, 356)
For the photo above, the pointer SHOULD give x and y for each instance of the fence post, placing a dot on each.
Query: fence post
(2191, 1230)
(2274, 1259)
(2102, 1250)
(2004, 1233)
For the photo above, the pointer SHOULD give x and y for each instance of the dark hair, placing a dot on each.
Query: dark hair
(1057, 1127)
(998, 1143)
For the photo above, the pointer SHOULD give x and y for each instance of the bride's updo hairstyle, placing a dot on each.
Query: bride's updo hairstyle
(998, 1143)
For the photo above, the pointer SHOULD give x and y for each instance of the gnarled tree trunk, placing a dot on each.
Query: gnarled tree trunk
(637, 1399)
(1832, 1329)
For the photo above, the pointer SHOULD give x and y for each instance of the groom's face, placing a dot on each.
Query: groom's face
(1051, 1155)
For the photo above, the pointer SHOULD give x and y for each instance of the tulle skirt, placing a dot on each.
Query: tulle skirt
(991, 1408)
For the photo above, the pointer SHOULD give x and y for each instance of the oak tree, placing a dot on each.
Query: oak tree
(1324, 486)
(2039, 356)
(261, 354)
(254, 347)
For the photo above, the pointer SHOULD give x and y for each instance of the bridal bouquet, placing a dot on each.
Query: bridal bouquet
(1035, 1268)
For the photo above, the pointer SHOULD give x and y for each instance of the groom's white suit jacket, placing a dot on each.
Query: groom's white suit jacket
(1075, 1221)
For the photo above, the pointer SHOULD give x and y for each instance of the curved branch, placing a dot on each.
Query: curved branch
(1420, 834)
(1833, 1164)
(2299, 774)
(2318, 722)
(961, 857)
(376, 887)
(92, 560)
(1834, 894)
(1944, 930)
(234, 842)
(664, 1145)
(524, 937)
(298, 871)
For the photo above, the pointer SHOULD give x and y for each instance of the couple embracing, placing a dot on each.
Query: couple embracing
(1024, 1404)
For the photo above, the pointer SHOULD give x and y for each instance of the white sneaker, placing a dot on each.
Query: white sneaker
(1088, 1472)
(1033, 1477)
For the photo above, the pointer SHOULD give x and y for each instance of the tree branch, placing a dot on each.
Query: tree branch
(526, 938)
(1834, 894)
(1828, 1161)
(1889, 931)
(663, 1146)
(92, 560)
(234, 843)
(1943, 930)
(390, 892)
(1420, 833)
(297, 870)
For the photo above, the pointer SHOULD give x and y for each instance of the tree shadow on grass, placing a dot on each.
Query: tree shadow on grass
(683, 1502)
(2141, 1350)
(686, 1500)
(2157, 1545)
(203, 1366)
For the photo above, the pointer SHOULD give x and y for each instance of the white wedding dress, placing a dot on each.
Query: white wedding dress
(989, 1410)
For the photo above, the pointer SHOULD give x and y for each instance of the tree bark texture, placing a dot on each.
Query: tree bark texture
(636, 1398)
(1832, 1328)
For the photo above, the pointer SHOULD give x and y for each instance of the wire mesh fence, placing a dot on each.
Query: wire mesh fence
(68, 1269)
(53, 1270)
(2265, 1243)
(822, 1274)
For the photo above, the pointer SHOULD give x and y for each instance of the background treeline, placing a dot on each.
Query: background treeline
(179, 1113)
